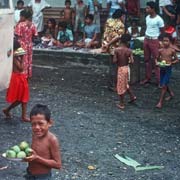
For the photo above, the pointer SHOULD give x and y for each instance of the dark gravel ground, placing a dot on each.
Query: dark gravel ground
(92, 130)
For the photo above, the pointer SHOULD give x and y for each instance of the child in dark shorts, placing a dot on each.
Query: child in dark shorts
(45, 146)
(168, 56)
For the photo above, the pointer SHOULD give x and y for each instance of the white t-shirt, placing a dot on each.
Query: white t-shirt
(153, 26)
(17, 15)
(114, 3)
(163, 3)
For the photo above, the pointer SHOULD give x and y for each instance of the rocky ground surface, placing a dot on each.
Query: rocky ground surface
(91, 129)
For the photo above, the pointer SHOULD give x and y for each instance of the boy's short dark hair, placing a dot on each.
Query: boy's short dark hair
(89, 16)
(152, 5)
(26, 13)
(167, 35)
(125, 38)
(68, 1)
(41, 109)
(62, 24)
(20, 2)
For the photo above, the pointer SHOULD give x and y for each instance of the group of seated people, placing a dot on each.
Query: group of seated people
(61, 36)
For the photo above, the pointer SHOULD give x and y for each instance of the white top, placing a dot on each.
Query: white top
(37, 17)
(134, 35)
(164, 2)
(92, 8)
(153, 26)
(17, 15)
(114, 3)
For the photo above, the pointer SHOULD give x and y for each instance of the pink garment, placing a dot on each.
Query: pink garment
(122, 79)
(25, 33)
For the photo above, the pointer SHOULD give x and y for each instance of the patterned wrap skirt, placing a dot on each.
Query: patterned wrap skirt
(122, 79)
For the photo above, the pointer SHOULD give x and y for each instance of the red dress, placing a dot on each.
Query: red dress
(18, 88)
(25, 33)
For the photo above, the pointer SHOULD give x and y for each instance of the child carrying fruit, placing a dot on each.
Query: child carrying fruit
(122, 57)
(18, 91)
(167, 57)
(45, 146)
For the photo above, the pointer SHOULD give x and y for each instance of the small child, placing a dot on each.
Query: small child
(123, 56)
(168, 55)
(49, 33)
(90, 35)
(134, 30)
(45, 145)
(65, 36)
(18, 91)
(68, 14)
(20, 7)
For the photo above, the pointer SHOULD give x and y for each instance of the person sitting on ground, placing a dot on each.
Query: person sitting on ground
(168, 56)
(65, 36)
(90, 37)
(45, 153)
(49, 33)
(19, 8)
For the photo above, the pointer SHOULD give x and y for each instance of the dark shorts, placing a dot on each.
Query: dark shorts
(29, 176)
(165, 74)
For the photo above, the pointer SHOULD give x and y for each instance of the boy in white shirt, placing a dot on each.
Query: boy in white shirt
(20, 7)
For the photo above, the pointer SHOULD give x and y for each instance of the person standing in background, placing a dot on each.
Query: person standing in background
(113, 5)
(19, 8)
(154, 27)
(94, 7)
(37, 7)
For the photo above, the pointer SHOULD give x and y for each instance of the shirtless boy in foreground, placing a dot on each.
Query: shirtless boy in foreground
(168, 56)
(45, 145)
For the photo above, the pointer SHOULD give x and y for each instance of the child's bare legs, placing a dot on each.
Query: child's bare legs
(121, 104)
(163, 92)
(171, 94)
(24, 110)
(131, 95)
(6, 111)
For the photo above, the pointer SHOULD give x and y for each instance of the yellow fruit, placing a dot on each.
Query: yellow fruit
(23, 145)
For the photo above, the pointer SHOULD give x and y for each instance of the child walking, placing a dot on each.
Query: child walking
(45, 145)
(123, 56)
(168, 56)
(18, 91)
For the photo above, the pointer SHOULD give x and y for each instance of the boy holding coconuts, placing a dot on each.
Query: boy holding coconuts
(45, 153)
(167, 57)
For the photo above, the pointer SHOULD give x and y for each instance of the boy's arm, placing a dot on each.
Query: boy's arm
(54, 162)
(131, 59)
(175, 58)
(115, 56)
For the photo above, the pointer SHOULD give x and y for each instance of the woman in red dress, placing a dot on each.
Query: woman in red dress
(18, 91)
(25, 31)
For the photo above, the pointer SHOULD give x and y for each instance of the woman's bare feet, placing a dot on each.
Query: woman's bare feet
(120, 106)
(159, 105)
(25, 119)
(132, 99)
(169, 97)
(7, 113)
